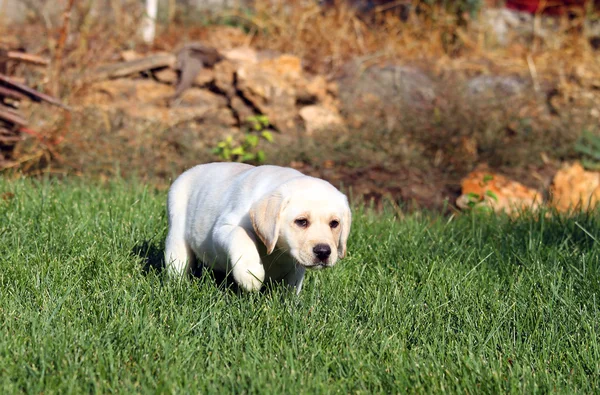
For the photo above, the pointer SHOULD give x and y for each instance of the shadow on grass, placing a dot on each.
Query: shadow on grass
(152, 260)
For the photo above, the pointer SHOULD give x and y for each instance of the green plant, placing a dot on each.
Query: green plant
(589, 146)
(247, 150)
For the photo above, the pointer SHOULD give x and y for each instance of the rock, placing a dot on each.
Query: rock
(219, 117)
(316, 90)
(333, 89)
(192, 60)
(270, 86)
(288, 67)
(317, 86)
(173, 116)
(246, 83)
(195, 97)
(133, 91)
(148, 99)
(482, 188)
(391, 83)
(390, 90)
(129, 55)
(317, 117)
(241, 110)
(494, 85)
(241, 55)
(166, 76)
(204, 78)
(574, 188)
(224, 77)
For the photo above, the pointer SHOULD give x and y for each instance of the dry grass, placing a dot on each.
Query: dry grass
(327, 39)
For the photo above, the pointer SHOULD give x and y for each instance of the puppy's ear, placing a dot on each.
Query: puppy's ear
(266, 219)
(346, 223)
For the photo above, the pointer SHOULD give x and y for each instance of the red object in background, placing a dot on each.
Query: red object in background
(555, 7)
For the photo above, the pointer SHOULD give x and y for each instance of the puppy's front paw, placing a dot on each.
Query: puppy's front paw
(249, 279)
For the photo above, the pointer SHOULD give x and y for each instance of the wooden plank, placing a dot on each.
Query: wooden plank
(10, 140)
(124, 69)
(11, 94)
(26, 58)
(30, 93)
(10, 116)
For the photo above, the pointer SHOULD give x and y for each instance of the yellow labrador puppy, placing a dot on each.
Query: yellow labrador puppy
(260, 224)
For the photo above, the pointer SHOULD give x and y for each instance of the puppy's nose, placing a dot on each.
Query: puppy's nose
(322, 251)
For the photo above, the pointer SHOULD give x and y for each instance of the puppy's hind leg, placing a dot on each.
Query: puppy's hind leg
(179, 257)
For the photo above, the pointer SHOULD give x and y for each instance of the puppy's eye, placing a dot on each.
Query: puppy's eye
(334, 224)
(301, 222)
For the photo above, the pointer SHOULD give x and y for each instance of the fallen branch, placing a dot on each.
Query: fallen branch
(12, 124)
(26, 58)
(10, 116)
(30, 93)
(124, 69)
(11, 94)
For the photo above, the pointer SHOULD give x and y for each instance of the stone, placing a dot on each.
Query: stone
(149, 100)
(270, 86)
(495, 85)
(244, 82)
(390, 89)
(391, 83)
(219, 117)
(195, 97)
(241, 55)
(224, 77)
(288, 67)
(129, 55)
(241, 110)
(205, 78)
(574, 188)
(482, 188)
(165, 115)
(166, 76)
(314, 90)
(133, 91)
(317, 118)
(192, 60)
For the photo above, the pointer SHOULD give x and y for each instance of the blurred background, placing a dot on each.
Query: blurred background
(424, 104)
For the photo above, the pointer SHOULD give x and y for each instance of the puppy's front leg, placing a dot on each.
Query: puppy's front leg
(247, 269)
(295, 278)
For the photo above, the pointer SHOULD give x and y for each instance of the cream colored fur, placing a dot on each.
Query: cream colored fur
(260, 224)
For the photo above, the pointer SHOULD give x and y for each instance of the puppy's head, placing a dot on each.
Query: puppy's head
(307, 218)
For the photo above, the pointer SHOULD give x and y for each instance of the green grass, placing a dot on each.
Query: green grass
(469, 304)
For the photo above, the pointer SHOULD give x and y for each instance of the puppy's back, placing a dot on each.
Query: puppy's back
(202, 182)
(211, 190)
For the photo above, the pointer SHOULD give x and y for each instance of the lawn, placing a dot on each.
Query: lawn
(421, 304)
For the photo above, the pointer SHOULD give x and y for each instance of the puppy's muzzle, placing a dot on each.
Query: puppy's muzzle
(322, 252)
